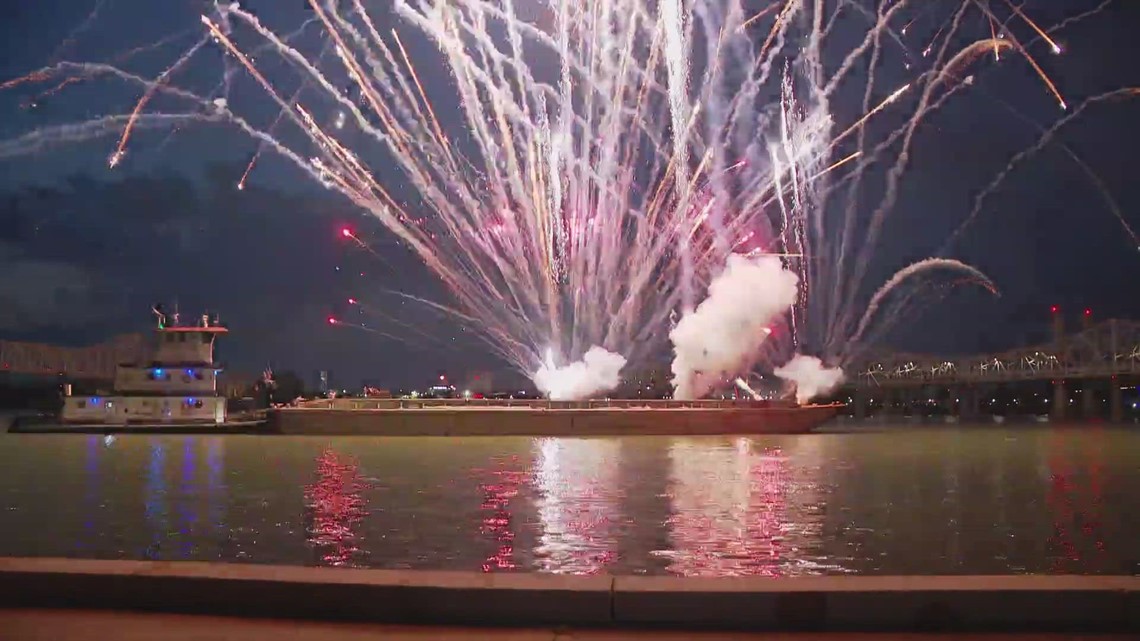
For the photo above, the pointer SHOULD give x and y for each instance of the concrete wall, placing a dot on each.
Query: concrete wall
(1061, 603)
(501, 421)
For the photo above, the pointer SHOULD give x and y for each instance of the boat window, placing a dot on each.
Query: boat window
(198, 404)
(81, 404)
(205, 338)
(182, 338)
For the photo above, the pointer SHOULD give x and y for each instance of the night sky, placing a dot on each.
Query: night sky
(85, 250)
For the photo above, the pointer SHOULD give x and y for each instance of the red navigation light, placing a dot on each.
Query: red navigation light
(1088, 312)
(346, 232)
(1054, 309)
(442, 377)
(352, 301)
(332, 321)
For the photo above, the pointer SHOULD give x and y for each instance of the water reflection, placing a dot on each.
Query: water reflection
(507, 476)
(154, 501)
(728, 501)
(92, 494)
(579, 490)
(216, 488)
(188, 495)
(334, 508)
(919, 501)
(1075, 479)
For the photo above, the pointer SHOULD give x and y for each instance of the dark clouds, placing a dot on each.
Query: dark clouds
(38, 294)
(83, 259)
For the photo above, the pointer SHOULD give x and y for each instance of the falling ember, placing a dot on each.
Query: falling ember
(1033, 25)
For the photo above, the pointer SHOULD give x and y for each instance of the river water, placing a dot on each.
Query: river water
(901, 500)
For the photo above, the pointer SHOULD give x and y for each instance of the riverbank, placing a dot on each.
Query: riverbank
(842, 603)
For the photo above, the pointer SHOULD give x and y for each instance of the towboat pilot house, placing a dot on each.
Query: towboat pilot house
(179, 384)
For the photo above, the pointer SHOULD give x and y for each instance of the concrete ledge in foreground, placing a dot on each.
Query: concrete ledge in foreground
(978, 603)
(391, 596)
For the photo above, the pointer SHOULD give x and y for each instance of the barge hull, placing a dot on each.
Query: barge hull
(503, 421)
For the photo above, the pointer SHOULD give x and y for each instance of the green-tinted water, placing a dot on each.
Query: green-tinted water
(917, 500)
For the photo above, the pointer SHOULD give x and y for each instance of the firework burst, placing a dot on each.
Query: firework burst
(601, 161)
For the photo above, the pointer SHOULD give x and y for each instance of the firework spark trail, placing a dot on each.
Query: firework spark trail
(843, 318)
(1080, 16)
(41, 139)
(1033, 25)
(567, 215)
(150, 93)
(272, 129)
(853, 191)
(894, 175)
(906, 302)
(1045, 139)
(373, 310)
(83, 27)
(116, 60)
(905, 274)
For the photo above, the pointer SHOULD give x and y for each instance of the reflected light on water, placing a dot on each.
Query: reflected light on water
(334, 507)
(914, 501)
(92, 494)
(1075, 480)
(187, 497)
(579, 490)
(728, 505)
(216, 486)
(507, 475)
(155, 499)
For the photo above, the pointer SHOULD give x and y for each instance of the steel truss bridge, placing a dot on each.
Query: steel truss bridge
(94, 362)
(1102, 350)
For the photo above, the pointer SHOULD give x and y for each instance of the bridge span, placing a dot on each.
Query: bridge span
(1101, 354)
(95, 362)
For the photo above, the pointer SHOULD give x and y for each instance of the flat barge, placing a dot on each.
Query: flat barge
(396, 417)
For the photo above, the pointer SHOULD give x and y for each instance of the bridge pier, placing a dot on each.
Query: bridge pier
(859, 403)
(969, 402)
(1115, 401)
(1060, 405)
(1088, 400)
(890, 401)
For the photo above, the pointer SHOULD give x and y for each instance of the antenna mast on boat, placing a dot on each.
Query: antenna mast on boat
(160, 316)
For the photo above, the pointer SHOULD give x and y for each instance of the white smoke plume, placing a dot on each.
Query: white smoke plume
(598, 371)
(810, 376)
(721, 336)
